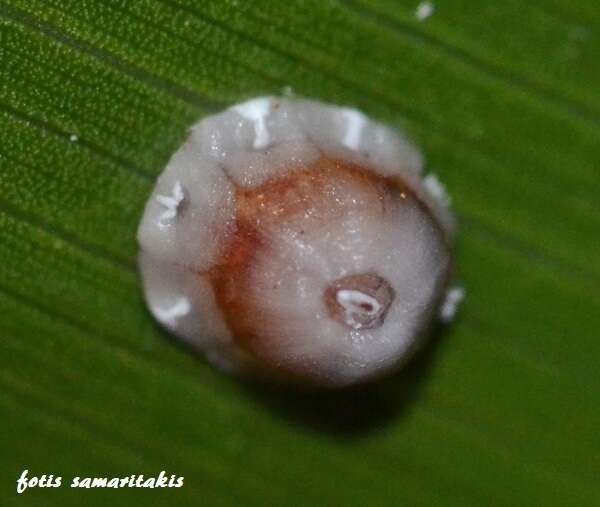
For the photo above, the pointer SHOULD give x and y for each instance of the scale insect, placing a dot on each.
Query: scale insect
(298, 240)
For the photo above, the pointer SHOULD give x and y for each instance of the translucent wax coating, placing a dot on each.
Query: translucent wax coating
(299, 241)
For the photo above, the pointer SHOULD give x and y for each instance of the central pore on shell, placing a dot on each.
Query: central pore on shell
(359, 301)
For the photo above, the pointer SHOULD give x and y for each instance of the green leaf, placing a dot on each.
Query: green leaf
(502, 407)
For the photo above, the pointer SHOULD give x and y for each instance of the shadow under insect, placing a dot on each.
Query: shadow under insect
(359, 410)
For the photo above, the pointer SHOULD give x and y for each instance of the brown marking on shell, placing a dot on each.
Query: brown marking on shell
(299, 200)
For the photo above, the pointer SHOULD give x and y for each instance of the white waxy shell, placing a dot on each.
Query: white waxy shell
(192, 219)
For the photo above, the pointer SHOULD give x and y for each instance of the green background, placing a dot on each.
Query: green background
(501, 409)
